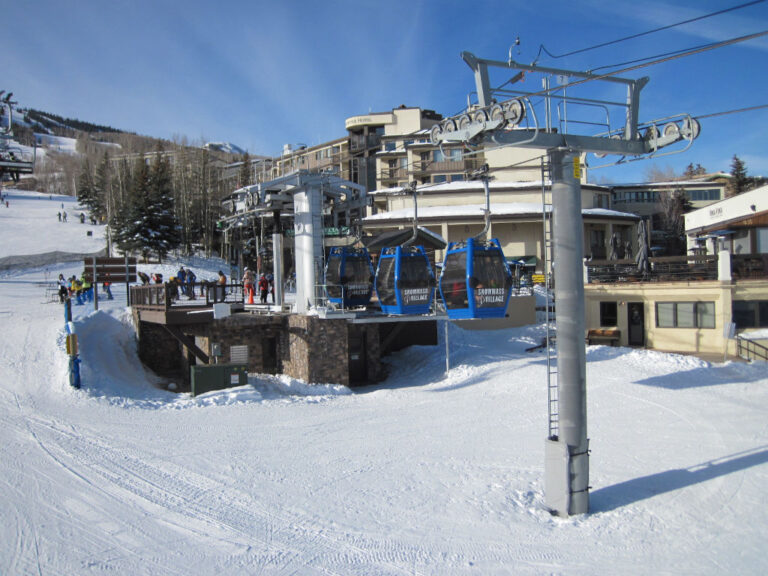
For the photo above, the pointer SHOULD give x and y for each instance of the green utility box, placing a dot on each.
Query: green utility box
(217, 377)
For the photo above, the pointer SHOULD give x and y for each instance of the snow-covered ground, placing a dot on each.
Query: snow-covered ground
(427, 473)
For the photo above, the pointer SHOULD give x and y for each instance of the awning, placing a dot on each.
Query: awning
(424, 237)
(522, 261)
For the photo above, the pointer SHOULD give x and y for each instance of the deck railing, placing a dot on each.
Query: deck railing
(166, 296)
(661, 269)
(745, 266)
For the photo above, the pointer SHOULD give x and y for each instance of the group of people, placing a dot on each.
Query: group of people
(155, 278)
(80, 289)
(184, 282)
(265, 285)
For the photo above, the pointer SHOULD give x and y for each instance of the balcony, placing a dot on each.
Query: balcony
(662, 269)
(423, 167)
(358, 142)
(749, 266)
(393, 173)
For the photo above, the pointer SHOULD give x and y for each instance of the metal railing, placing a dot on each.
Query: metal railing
(662, 269)
(749, 266)
(166, 296)
(750, 350)
(446, 165)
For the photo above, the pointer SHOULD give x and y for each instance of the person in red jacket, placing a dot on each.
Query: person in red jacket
(263, 288)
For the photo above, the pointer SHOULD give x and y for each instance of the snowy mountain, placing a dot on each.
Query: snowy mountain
(431, 472)
(226, 147)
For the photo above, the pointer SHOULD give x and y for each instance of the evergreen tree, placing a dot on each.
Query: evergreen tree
(86, 191)
(692, 172)
(132, 226)
(118, 215)
(162, 234)
(739, 181)
(102, 190)
(245, 178)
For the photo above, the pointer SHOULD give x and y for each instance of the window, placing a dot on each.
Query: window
(702, 195)
(457, 178)
(608, 314)
(762, 240)
(750, 313)
(439, 178)
(390, 146)
(438, 156)
(685, 314)
(455, 155)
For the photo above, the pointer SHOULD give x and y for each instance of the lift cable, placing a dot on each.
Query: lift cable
(542, 48)
(738, 110)
(690, 52)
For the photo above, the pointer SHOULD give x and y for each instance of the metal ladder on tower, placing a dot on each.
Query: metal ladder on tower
(553, 399)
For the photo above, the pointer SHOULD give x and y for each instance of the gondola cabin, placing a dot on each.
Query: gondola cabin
(404, 281)
(349, 276)
(475, 281)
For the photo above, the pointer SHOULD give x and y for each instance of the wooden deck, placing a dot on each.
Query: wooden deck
(164, 304)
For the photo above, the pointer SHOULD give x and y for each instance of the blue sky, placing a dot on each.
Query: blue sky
(261, 74)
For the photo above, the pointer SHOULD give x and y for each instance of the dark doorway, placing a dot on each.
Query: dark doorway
(269, 355)
(358, 365)
(636, 323)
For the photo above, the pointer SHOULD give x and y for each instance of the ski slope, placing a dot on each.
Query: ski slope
(427, 473)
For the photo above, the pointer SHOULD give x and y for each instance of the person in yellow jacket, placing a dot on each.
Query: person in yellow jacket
(76, 288)
(86, 287)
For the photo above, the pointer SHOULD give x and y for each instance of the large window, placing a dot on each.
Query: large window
(608, 314)
(750, 313)
(701, 195)
(685, 314)
(762, 240)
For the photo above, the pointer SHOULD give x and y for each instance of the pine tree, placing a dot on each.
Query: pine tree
(691, 171)
(245, 177)
(118, 217)
(86, 192)
(102, 190)
(162, 234)
(739, 181)
(132, 226)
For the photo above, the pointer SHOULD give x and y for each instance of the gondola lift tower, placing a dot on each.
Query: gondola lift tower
(507, 116)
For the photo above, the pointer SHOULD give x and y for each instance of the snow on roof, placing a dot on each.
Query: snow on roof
(478, 210)
(475, 185)
(667, 183)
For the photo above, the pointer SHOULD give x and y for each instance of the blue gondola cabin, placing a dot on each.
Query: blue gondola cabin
(404, 282)
(349, 276)
(475, 281)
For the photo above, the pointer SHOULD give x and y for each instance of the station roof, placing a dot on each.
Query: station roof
(424, 237)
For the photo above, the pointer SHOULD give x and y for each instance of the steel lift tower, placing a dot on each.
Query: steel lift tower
(14, 160)
(572, 127)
